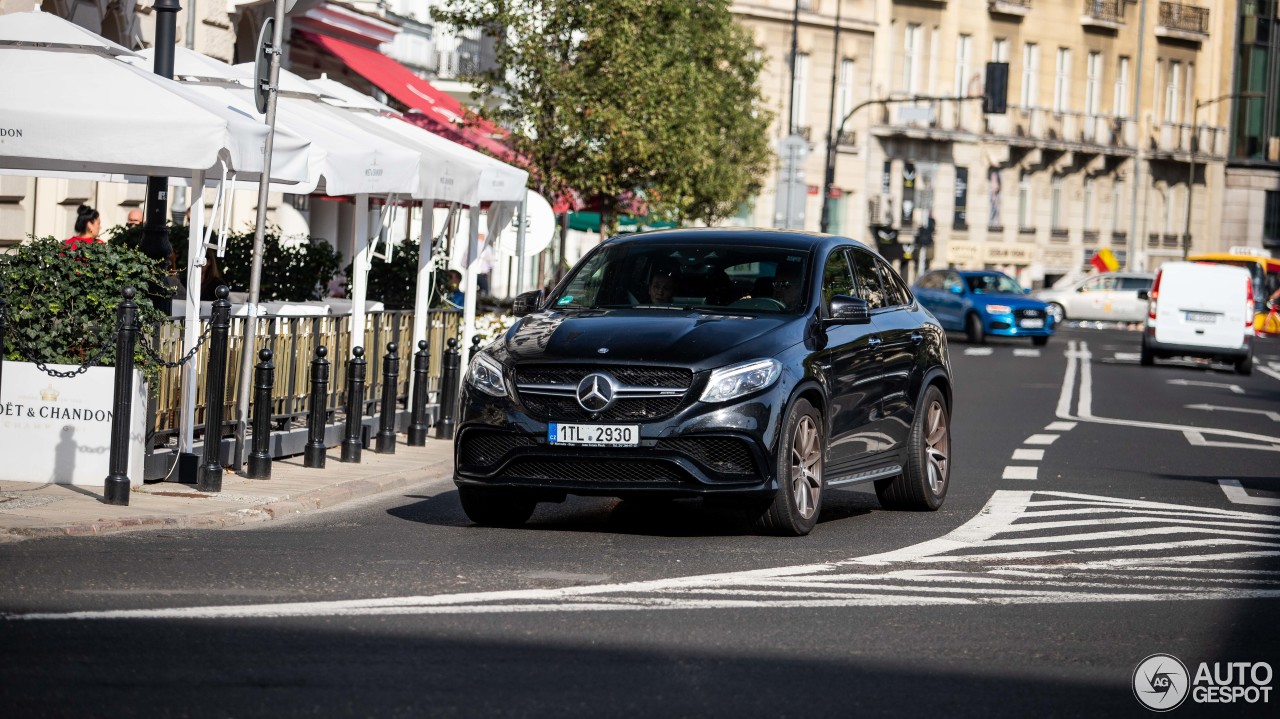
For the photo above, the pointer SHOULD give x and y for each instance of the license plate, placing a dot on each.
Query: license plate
(594, 435)
(1031, 324)
(1203, 317)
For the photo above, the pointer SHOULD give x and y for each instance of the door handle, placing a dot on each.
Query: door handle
(916, 338)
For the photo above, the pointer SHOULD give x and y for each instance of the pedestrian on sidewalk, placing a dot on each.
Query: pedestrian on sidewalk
(88, 225)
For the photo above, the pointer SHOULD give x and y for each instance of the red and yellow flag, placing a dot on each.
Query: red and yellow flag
(1104, 261)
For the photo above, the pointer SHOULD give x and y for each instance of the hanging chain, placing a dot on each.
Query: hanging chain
(150, 351)
(93, 361)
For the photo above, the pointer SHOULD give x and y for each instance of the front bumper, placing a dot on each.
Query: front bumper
(700, 450)
(1007, 325)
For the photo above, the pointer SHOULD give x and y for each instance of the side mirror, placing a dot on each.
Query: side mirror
(526, 302)
(846, 310)
(1144, 294)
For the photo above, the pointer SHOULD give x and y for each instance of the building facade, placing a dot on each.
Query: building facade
(1252, 195)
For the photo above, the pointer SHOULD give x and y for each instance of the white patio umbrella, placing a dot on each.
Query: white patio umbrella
(46, 30)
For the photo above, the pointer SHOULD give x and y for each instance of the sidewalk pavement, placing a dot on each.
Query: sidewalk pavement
(29, 510)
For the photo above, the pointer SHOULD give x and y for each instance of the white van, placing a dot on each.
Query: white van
(1205, 310)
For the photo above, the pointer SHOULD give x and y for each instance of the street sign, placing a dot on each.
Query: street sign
(262, 67)
(909, 113)
(792, 189)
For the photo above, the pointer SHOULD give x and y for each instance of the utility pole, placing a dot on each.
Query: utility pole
(829, 177)
(1191, 161)
(155, 236)
(1131, 252)
(791, 98)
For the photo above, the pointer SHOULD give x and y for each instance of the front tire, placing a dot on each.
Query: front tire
(923, 483)
(1040, 341)
(795, 508)
(973, 328)
(488, 508)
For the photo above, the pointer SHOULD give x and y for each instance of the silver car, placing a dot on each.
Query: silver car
(1108, 297)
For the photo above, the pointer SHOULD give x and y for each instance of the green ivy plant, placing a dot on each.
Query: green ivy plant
(61, 301)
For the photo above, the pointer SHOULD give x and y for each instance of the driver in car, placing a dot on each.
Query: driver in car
(662, 285)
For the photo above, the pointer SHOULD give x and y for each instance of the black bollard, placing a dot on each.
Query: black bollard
(313, 455)
(351, 444)
(448, 390)
(264, 377)
(475, 346)
(387, 419)
(116, 488)
(209, 476)
(418, 412)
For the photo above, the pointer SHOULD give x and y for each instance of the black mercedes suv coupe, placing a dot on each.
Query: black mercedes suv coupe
(756, 367)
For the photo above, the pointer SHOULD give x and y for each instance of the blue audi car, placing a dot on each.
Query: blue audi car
(984, 302)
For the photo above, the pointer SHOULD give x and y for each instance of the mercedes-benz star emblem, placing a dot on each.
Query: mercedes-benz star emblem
(596, 391)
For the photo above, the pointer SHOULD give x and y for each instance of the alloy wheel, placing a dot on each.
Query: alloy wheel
(937, 447)
(806, 467)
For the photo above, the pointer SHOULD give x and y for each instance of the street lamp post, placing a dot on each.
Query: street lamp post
(1191, 161)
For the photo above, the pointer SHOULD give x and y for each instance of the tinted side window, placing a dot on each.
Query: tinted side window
(895, 290)
(836, 277)
(868, 279)
(931, 281)
(1135, 283)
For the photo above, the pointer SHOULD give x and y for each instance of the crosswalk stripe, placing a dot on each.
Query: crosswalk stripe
(1015, 472)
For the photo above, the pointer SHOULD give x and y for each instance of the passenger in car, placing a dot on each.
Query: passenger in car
(662, 284)
(720, 289)
(787, 284)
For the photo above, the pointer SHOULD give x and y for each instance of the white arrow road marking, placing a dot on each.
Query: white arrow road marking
(1237, 494)
(1237, 389)
(1197, 439)
(1144, 551)
(1273, 416)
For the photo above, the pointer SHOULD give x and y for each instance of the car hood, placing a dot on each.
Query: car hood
(1015, 301)
(684, 338)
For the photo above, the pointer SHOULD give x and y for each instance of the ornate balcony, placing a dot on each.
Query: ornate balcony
(1103, 14)
(1017, 8)
(1183, 21)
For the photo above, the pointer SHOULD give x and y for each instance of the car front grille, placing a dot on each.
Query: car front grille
(720, 454)
(488, 448)
(1028, 314)
(595, 471)
(645, 393)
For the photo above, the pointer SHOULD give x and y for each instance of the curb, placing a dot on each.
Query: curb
(312, 500)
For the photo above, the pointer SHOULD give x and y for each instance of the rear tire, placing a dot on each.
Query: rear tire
(1244, 365)
(1040, 341)
(973, 328)
(1146, 359)
(795, 508)
(923, 483)
(488, 508)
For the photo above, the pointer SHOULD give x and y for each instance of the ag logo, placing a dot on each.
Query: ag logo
(1160, 682)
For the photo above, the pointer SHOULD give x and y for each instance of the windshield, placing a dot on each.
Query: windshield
(992, 284)
(688, 276)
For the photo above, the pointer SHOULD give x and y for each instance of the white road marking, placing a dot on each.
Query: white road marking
(1270, 372)
(1026, 353)
(1038, 439)
(1084, 405)
(1061, 426)
(1192, 560)
(978, 351)
(1196, 439)
(1235, 388)
(1034, 455)
(1016, 472)
(1237, 494)
(1273, 416)
(1127, 356)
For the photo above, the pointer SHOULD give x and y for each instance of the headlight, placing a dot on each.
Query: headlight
(486, 375)
(999, 309)
(737, 380)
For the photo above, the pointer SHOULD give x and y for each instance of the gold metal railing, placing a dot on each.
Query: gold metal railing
(293, 341)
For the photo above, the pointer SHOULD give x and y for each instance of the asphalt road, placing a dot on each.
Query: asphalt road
(1092, 521)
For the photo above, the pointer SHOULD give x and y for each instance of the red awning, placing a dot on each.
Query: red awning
(437, 111)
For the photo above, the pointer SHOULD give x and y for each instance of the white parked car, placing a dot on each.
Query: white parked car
(1109, 297)
(1201, 310)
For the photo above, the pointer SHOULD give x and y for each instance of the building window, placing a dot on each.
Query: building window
(1121, 102)
(836, 220)
(1062, 81)
(964, 49)
(1000, 50)
(1087, 210)
(1271, 219)
(800, 93)
(1171, 95)
(1024, 202)
(1093, 84)
(910, 60)
(1056, 210)
(1030, 75)
(846, 88)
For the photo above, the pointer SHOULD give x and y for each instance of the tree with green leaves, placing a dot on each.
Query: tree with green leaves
(634, 104)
